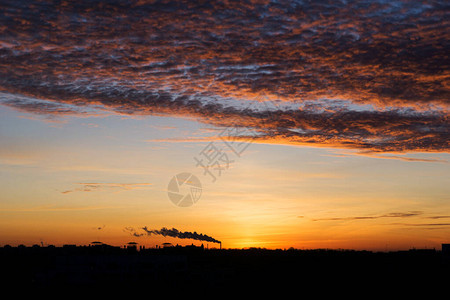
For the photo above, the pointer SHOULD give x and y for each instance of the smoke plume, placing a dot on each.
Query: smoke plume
(175, 233)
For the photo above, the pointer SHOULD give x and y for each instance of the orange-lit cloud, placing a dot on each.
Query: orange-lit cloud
(366, 75)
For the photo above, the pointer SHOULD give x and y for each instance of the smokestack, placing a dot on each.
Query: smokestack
(220, 243)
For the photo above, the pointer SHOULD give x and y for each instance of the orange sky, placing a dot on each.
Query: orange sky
(73, 181)
(309, 124)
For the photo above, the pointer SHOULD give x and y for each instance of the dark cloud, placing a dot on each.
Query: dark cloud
(424, 225)
(440, 217)
(33, 105)
(388, 215)
(368, 75)
(429, 224)
(409, 214)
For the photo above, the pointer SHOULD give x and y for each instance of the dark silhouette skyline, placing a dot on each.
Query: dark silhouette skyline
(102, 265)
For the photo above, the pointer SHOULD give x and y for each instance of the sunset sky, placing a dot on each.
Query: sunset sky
(328, 122)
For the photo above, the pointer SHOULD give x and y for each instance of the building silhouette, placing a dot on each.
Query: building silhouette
(446, 251)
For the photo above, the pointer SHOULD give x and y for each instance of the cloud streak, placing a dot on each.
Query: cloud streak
(388, 215)
(397, 215)
(365, 75)
(95, 186)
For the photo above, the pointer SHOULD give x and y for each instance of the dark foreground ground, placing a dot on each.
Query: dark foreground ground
(198, 268)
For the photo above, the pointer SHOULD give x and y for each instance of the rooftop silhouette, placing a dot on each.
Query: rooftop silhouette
(99, 264)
